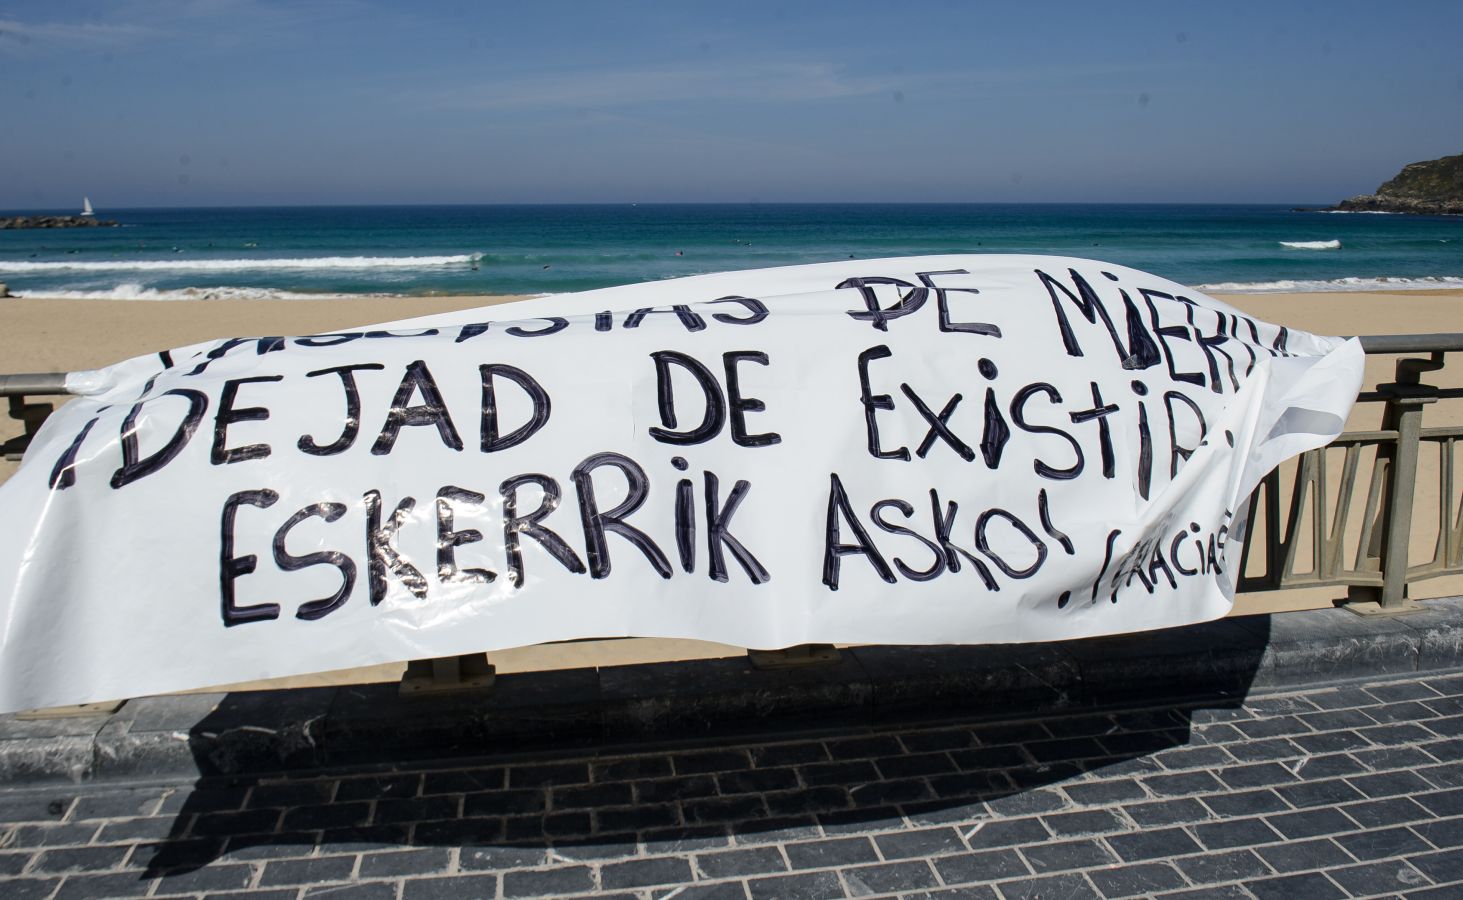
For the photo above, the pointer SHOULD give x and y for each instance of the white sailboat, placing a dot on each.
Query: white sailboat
(86, 209)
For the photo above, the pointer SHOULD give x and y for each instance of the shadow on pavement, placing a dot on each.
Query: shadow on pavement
(945, 753)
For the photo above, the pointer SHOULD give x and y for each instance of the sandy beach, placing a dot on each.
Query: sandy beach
(46, 335)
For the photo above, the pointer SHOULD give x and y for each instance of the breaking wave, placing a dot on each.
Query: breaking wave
(1312, 245)
(238, 265)
(135, 291)
(1434, 282)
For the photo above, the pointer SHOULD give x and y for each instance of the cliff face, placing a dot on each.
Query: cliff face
(1434, 187)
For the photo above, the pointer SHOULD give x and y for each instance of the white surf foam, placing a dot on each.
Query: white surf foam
(1312, 245)
(1434, 282)
(237, 265)
(135, 291)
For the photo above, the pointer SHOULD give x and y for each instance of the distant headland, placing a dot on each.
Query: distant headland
(1433, 187)
(52, 222)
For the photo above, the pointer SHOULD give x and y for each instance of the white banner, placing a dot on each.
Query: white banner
(954, 449)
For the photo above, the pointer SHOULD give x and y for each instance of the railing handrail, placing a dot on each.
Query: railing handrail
(1442, 341)
(33, 383)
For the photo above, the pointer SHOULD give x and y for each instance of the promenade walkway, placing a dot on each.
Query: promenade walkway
(1349, 790)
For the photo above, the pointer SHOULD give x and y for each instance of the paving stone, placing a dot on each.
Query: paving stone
(1064, 855)
(1386, 842)
(1195, 758)
(111, 805)
(1214, 868)
(382, 787)
(1319, 853)
(1260, 750)
(726, 890)
(782, 887)
(1070, 886)
(983, 866)
(81, 887)
(1392, 811)
(1186, 784)
(1319, 793)
(1387, 758)
(645, 872)
(1312, 886)
(926, 842)
(712, 761)
(79, 859)
(757, 781)
(776, 830)
(1442, 868)
(307, 871)
(218, 877)
(1310, 823)
(1332, 765)
(590, 796)
(1075, 824)
(544, 882)
(888, 878)
(396, 864)
(1214, 892)
(1167, 812)
(1256, 775)
(1105, 792)
(1005, 833)
(375, 890)
(741, 863)
(1140, 880)
(1235, 833)
(632, 768)
(1389, 784)
(498, 857)
(665, 790)
(461, 887)
(466, 781)
(833, 852)
(415, 809)
(291, 793)
(636, 818)
(1377, 877)
(1443, 803)
(1152, 844)
(1245, 803)
(1027, 802)
(335, 815)
(548, 775)
(1442, 833)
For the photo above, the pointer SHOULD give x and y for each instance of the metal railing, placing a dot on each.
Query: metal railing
(1304, 518)
(1312, 533)
(16, 388)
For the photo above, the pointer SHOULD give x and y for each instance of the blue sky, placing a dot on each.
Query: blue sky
(244, 102)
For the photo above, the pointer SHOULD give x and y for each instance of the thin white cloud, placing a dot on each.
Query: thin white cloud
(624, 87)
(44, 35)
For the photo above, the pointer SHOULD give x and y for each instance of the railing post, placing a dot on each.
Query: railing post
(1406, 398)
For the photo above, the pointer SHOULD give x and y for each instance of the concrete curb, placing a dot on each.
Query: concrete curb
(370, 725)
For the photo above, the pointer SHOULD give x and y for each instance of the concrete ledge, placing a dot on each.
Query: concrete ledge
(370, 725)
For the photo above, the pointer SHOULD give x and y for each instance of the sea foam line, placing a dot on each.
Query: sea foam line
(235, 265)
(1430, 282)
(134, 291)
(1312, 245)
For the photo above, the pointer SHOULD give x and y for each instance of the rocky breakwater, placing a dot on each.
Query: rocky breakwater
(1433, 187)
(53, 222)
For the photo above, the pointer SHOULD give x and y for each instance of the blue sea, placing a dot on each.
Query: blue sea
(429, 250)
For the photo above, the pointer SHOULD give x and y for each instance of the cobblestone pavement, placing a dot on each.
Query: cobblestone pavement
(1349, 791)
